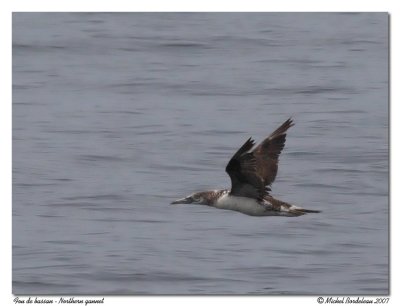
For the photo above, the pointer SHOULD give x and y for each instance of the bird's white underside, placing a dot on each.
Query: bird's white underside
(247, 206)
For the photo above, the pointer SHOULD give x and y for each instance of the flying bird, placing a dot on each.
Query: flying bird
(252, 173)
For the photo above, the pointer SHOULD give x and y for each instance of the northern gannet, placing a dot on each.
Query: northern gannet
(252, 173)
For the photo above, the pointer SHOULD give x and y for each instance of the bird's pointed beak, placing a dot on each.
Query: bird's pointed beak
(186, 200)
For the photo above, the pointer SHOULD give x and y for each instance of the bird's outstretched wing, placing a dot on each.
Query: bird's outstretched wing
(252, 172)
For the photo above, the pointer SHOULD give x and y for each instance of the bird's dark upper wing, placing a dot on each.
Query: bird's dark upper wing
(267, 153)
(252, 172)
(242, 171)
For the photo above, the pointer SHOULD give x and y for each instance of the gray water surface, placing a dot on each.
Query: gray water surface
(116, 115)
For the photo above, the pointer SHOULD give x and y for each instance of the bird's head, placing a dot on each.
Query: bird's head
(195, 198)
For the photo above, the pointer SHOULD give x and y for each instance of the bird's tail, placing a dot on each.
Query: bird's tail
(301, 211)
(310, 211)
